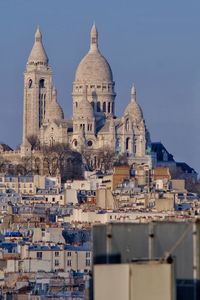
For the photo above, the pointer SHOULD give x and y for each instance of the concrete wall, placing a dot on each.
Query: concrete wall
(136, 281)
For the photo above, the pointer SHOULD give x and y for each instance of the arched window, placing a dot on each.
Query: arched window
(41, 83)
(127, 143)
(75, 143)
(30, 83)
(98, 106)
(76, 104)
(117, 145)
(127, 124)
(108, 107)
(104, 106)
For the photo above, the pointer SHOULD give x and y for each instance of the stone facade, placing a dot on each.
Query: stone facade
(94, 124)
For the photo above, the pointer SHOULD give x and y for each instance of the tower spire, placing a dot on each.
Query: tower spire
(94, 38)
(38, 55)
(38, 34)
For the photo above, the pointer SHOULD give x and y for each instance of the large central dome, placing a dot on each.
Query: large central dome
(94, 67)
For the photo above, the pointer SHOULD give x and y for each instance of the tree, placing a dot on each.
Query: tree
(121, 160)
(86, 158)
(105, 158)
(25, 167)
(59, 158)
(2, 165)
(34, 141)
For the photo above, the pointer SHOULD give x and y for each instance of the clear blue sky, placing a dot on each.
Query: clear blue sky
(155, 44)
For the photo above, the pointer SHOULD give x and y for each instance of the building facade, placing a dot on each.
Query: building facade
(94, 124)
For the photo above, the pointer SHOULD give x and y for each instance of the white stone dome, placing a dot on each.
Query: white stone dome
(54, 111)
(133, 109)
(94, 67)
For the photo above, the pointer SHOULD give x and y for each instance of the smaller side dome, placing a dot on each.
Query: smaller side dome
(54, 110)
(85, 109)
(133, 109)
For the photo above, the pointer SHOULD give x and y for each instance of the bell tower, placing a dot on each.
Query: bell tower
(37, 89)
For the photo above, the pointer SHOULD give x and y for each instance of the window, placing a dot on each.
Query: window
(87, 262)
(39, 255)
(56, 262)
(87, 254)
(57, 253)
(127, 143)
(69, 263)
(127, 124)
(98, 106)
(30, 83)
(109, 107)
(89, 143)
(41, 83)
(69, 254)
(104, 106)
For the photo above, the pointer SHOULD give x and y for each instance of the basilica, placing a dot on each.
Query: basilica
(94, 124)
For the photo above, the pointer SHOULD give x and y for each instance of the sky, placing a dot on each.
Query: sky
(153, 44)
